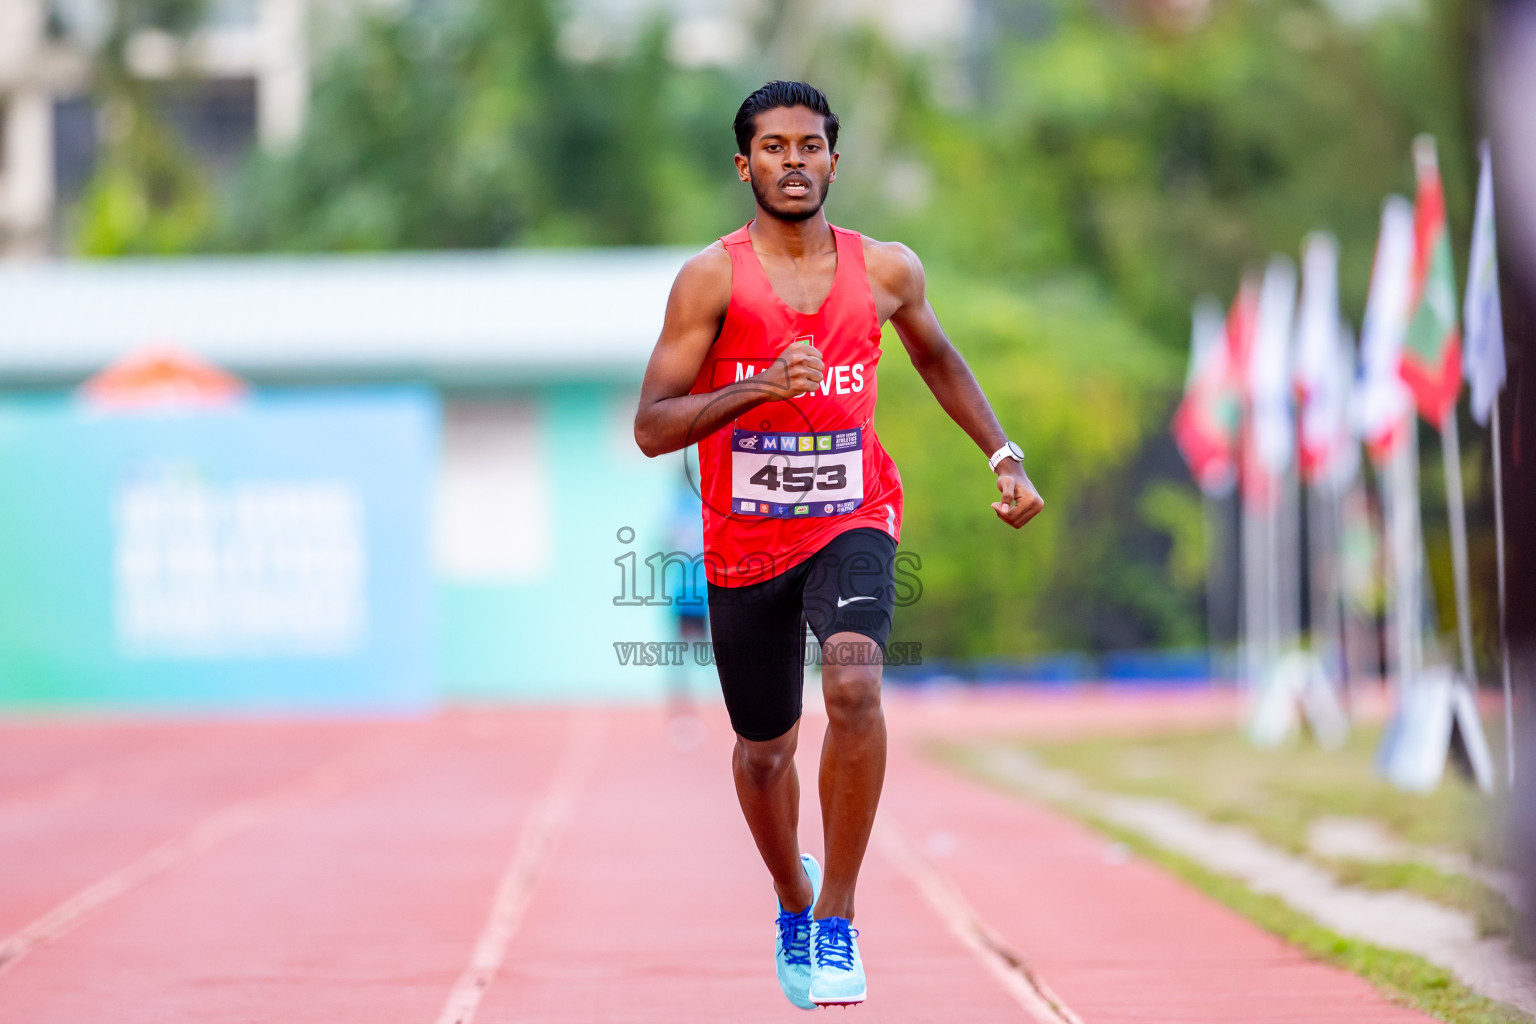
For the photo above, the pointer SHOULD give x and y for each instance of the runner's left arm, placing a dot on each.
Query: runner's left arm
(900, 276)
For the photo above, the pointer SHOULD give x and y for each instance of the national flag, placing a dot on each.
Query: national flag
(1269, 370)
(1206, 422)
(1242, 321)
(1345, 466)
(1432, 346)
(1242, 328)
(1381, 398)
(1322, 381)
(1482, 314)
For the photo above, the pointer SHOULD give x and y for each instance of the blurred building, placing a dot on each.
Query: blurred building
(723, 32)
(543, 512)
(243, 77)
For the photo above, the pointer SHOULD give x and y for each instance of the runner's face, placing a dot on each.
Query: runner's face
(790, 166)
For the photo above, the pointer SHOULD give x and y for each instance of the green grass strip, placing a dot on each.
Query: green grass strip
(1492, 912)
(1404, 978)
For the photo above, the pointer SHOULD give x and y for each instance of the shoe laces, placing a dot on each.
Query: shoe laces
(834, 943)
(795, 937)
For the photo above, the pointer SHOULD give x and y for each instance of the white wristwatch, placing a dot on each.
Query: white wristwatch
(1008, 450)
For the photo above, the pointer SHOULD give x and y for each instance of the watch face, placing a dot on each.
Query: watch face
(1018, 452)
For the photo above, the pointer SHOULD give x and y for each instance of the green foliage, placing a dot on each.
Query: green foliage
(1176, 512)
(1280, 793)
(461, 126)
(1071, 179)
(1164, 161)
(148, 194)
(1490, 909)
(1076, 377)
(1077, 409)
(1144, 165)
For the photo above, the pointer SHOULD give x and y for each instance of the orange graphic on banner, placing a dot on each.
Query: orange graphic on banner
(161, 375)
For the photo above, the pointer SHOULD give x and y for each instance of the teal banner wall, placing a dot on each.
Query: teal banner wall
(552, 637)
(271, 556)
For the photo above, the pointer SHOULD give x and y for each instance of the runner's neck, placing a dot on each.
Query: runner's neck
(795, 240)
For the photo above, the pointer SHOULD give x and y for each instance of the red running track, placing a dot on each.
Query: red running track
(564, 866)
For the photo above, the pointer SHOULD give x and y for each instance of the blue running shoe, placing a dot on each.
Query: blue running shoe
(837, 970)
(792, 951)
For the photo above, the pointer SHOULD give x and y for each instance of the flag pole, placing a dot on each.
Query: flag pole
(1450, 447)
(1466, 703)
(1323, 519)
(1483, 360)
(1254, 554)
(1271, 584)
(1498, 533)
(1407, 558)
(1212, 547)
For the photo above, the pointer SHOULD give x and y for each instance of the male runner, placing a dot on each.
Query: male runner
(767, 360)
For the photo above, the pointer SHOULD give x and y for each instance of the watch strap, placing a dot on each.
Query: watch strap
(1007, 451)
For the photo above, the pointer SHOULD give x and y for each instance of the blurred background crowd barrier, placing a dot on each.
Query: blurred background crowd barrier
(430, 242)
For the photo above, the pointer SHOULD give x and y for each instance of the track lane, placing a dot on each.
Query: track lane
(655, 907)
(1118, 939)
(359, 907)
(104, 814)
(650, 903)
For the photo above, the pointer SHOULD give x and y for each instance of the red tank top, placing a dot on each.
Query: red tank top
(787, 476)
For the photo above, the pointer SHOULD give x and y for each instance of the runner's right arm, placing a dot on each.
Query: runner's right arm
(669, 418)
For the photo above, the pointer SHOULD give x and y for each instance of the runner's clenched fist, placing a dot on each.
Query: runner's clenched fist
(798, 369)
(1021, 502)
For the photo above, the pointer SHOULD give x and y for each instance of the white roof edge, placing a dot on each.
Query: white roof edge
(579, 312)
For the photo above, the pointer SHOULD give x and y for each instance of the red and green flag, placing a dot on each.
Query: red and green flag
(1206, 423)
(1432, 347)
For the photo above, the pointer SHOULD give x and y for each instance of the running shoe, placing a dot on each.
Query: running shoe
(792, 951)
(837, 970)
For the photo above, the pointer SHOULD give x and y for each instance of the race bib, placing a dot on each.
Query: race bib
(789, 476)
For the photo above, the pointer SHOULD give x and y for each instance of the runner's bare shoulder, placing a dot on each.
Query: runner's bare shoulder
(893, 268)
(703, 285)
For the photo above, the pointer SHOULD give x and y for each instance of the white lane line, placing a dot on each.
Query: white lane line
(945, 899)
(328, 779)
(546, 822)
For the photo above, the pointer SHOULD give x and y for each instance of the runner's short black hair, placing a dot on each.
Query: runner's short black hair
(782, 94)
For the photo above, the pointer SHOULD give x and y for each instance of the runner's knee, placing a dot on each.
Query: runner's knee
(765, 762)
(852, 693)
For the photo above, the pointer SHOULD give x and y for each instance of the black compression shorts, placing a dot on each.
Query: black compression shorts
(759, 630)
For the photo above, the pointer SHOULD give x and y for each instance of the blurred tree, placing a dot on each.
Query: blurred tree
(1076, 383)
(461, 125)
(148, 193)
(1163, 160)
(1135, 166)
